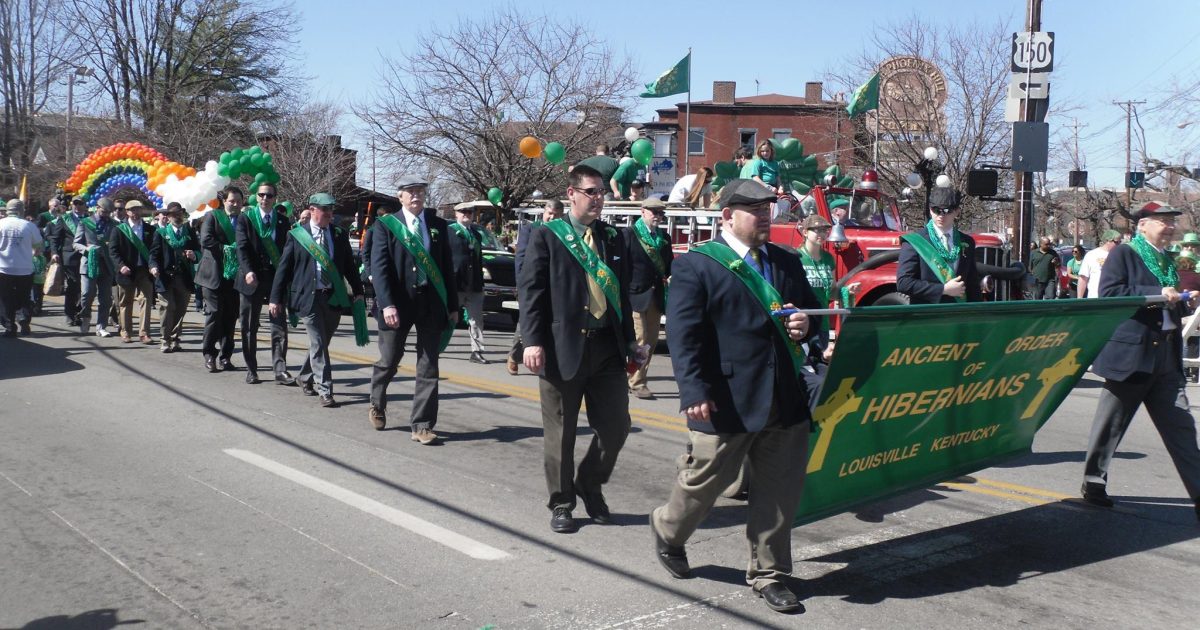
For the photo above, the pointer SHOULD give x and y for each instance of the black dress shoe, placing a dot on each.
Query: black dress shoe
(1096, 494)
(478, 358)
(308, 389)
(285, 378)
(25, 329)
(328, 401)
(1198, 509)
(252, 377)
(780, 598)
(210, 364)
(562, 522)
(674, 559)
(226, 365)
(593, 503)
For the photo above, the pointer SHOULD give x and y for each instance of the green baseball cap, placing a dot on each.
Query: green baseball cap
(1191, 238)
(1110, 235)
(321, 199)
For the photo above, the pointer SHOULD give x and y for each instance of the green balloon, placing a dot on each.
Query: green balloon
(257, 160)
(495, 195)
(223, 169)
(555, 153)
(833, 169)
(236, 154)
(224, 159)
(256, 150)
(642, 151)
(810, 160)
(846, 182)
(792, 149)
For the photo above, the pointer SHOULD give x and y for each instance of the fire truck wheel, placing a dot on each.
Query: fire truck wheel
(895, 298)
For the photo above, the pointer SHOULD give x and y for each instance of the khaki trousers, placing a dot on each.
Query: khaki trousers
(140, 283)
(646, 325)
(778, 458)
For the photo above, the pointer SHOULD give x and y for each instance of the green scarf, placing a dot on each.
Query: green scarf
(652, 242)
(341, 299)
(1158, 263)
(468, 236)
(229, 249)
(93, 259)
(948, 255)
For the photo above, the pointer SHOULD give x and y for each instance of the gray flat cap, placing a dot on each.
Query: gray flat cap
(410, 181)
(744, 192)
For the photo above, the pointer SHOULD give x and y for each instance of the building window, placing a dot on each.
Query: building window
(749, 137)
(664, 145)
(696, 141)
(781, 134)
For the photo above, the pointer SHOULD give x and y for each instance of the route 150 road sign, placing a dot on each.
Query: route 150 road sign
(1033, 52)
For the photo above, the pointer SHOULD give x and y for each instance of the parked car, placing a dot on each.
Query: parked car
(499, 276)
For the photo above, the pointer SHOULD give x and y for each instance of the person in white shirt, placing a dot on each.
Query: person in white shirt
(18, 239)
(694, 190)
(1093, 262)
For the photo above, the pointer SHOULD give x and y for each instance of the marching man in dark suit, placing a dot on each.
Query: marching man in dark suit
(412, 271)
(261, 236)
(172, 255)
(96, 266)
(937, 262)
(1141, 363)
(62, 251)
(650, 264)
(466, 245)
(738, 368)
(215, 276)
(578, 334)
(311, 279)
(552, 211)
(131, 240)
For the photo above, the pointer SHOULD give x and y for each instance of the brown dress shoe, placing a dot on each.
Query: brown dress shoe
(424, 436)
(513, 367)
(377, 417)
(126, 338)
(644, 393)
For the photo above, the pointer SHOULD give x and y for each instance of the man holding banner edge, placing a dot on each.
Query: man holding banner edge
(738, 369)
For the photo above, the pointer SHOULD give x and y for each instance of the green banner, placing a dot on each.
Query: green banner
(918, 395)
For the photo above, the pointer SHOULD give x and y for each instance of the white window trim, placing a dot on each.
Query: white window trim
(703, 137)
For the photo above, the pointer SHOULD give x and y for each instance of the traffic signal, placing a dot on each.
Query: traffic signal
(1135, 179)
(982, 182)
(1077, 179)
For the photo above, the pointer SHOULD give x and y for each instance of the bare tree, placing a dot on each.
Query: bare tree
(35, 51)
(970, 128)
(307, 152)
(462, 101)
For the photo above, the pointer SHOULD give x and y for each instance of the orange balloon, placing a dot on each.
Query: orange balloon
(530, 147)
(214, 203)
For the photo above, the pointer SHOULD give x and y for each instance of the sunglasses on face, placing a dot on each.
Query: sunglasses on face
(943, 211)
(821, 230)
(267, 195)
(590, 192)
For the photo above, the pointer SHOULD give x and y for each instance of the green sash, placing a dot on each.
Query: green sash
(468, 235)
(425, 264)
(229, 250)
(340, 299)
(591, 263)
(93, 262)
(68, 220)
(266, 234)
(137, 242)
(768, 297)
(650, 243)
(930, 255)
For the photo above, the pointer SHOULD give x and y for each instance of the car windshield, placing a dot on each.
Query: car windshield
(489, 240)
(850, 210)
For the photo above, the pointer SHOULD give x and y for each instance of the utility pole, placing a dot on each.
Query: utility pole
(1128, 105)
(1079, 167)
(1022, 234)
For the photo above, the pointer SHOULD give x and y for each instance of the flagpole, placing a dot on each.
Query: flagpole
(687, 119)
(875, 156)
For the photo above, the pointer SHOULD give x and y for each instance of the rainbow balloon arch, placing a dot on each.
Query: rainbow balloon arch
(130, 165)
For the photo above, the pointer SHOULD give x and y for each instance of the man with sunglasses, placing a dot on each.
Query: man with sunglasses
(573, 262)
(937, 262)
(1141, 363)
(261, 237)
(650, 258)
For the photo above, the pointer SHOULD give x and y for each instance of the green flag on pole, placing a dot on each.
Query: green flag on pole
(673, 81)
(865, 98)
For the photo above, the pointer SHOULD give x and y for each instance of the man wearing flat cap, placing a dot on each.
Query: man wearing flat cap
(131, 242)
(937, 262)
(738, 363)
(650, 259)
(577, 327)
(173, 252)
(1141, 364)
(412, 270)
(466, 245)
(311, 278)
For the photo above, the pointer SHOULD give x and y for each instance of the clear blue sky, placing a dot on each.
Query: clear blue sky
(1105, 51)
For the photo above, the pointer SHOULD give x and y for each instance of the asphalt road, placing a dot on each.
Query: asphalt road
(137, 489)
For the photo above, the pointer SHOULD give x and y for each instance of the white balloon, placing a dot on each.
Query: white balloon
(210, 167)
(631, 134)
(943, 181)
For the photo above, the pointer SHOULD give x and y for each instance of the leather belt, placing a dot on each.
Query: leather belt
(590, 333)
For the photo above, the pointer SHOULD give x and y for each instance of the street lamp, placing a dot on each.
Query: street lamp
(82, 72)
(928, 174)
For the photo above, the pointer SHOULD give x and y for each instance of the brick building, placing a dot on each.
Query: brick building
(721, 125)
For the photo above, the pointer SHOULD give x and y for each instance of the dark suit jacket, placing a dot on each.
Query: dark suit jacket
(915, 279)
(296, 277)
(468, 263)
(252, 256)
(522, 244)
(394, 273)
(553, 293)
(212, 256)
(725, 348)
(62, 241)
(1132, 347)
(170, 262)
(126, 254)
(645, 283)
